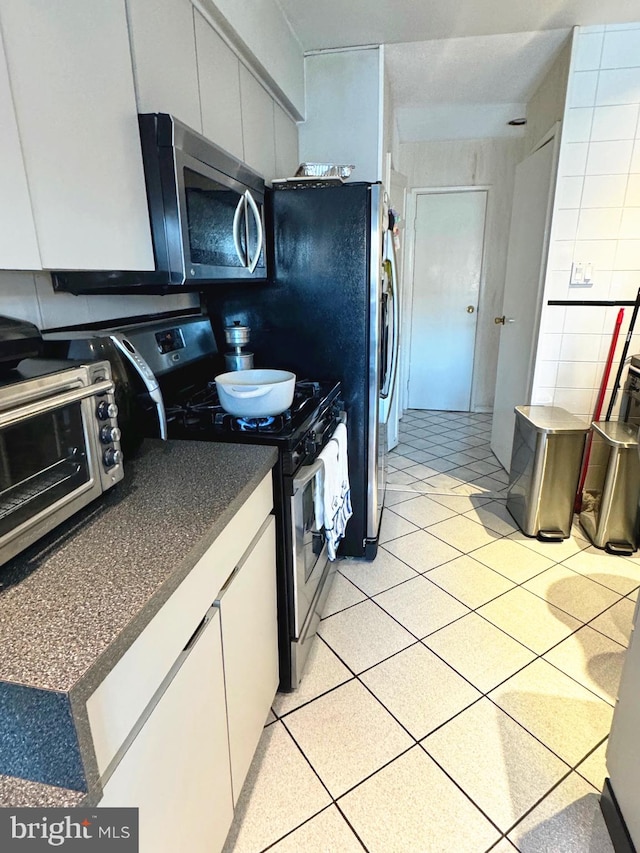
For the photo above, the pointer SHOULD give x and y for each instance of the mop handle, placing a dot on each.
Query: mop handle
(623, 358)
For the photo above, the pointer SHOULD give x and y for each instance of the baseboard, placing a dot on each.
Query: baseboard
(618, 831)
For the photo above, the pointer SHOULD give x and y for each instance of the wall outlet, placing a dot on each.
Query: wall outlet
(581, 274)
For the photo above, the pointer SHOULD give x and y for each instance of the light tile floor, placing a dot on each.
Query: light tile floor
(460, 693)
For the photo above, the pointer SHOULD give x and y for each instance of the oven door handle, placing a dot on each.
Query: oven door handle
(55, 402)
(307, 474)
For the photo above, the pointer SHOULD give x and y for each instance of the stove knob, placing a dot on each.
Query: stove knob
(112, 457)
(310, 445)
(109, 434)
(106, 410)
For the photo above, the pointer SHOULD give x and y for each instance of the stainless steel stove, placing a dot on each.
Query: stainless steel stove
(180, 356)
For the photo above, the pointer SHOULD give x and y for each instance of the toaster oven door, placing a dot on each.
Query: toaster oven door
(43, 460)
(51, 462)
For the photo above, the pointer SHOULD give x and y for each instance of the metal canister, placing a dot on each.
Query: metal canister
(238, 335)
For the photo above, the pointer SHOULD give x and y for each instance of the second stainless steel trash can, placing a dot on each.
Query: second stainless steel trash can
(612, 489)
(548, 444)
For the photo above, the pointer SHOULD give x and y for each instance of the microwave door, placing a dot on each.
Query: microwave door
(213, 221)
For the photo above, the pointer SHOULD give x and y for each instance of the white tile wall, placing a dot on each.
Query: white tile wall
(620, 49)
(603, 191)
(573, 158)
(569, 192)
(598, 223)
(621, 86)
(609, 158)
(583, 89)
(610, 123)
(632, 198)
(596, 218)
(588, 51)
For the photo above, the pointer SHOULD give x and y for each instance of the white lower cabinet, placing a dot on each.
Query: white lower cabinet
(176, 742)
(176, 771)
(250, 642)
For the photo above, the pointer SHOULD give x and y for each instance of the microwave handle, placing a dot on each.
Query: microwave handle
(237, 216)
(56, 402)
(258, 219)
(146, 374)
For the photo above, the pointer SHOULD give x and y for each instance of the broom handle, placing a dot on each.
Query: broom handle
(598, 409)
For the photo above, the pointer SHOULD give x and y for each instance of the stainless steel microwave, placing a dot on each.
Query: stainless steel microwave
(206, 211)
(59, 448)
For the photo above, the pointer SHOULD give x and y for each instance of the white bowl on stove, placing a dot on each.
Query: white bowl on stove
(255, 393)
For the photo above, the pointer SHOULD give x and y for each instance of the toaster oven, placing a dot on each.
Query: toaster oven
(59, 447)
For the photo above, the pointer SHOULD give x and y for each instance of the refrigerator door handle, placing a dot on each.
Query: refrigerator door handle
(388, 301)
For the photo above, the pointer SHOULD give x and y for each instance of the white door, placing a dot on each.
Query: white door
(449, 242)
(526, 259)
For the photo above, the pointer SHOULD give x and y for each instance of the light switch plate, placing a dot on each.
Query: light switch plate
(581, 274)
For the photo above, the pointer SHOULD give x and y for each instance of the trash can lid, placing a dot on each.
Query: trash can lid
(551, 419)
(617, 433)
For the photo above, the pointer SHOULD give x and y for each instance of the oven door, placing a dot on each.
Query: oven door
(49, 465)
(312, 570)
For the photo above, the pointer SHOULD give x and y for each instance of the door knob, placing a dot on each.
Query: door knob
(470, 309)
(499, 321)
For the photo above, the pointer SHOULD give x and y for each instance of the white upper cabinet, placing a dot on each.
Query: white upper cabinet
(286, 130)
(219, 71)
(257, 125)
(70, 69)
(18, 242)
(163, 48)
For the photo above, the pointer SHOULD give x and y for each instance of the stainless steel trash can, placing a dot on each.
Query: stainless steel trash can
(609, 514)
(548, 444)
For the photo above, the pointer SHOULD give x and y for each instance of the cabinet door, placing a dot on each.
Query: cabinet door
(219, 71)
(257, 125)
(286, 137)
(18, 243)
(250, 640)
(70, 69)
(164, 58)
(176, 771)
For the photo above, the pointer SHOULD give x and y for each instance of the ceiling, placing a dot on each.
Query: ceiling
(336, 23)
(478, 82)
(457, 68)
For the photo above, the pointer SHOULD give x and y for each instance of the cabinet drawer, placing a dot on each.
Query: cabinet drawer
(120, 699)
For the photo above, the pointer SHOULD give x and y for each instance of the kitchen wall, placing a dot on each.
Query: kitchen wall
(248, 117)
(547, 104)
(596, 217)
(479, 162)
(344, 102)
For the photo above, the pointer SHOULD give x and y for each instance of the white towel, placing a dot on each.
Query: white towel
(333, 493)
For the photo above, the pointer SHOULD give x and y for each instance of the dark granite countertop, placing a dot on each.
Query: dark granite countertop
(72, 603)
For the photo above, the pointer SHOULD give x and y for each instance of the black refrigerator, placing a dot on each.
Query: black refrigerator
(325, 314)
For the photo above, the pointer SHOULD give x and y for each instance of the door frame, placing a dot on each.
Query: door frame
(409, 266)
(551, 137)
